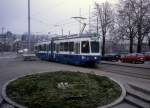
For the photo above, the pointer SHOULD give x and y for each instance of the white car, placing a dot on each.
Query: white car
(20, 51)
(25, 51)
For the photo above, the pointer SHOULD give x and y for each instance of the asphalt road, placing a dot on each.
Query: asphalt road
(12, 67)
(126, 71)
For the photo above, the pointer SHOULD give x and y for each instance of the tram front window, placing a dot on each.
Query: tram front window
(85, 47)
(95, 47)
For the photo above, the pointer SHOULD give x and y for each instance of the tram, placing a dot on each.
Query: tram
(74, 49)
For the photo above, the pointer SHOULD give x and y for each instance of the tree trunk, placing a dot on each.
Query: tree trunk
(149, 44)
(131, 44)
(103, 45)
(139, 46)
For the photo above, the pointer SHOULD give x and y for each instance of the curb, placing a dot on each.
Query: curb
(11, 102)
(1, 100)
(8, 100)
(125, 65)
(137, 94)
(120, 99)
(137, 87)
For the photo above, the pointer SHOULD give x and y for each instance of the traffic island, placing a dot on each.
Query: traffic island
(63, 90)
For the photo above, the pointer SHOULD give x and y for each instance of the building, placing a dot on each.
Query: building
(6, 41)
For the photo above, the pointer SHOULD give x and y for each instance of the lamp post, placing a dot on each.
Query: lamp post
(29, 31)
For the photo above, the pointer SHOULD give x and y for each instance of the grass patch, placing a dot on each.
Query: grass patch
(63, 90)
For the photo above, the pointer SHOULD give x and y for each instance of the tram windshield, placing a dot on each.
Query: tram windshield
(85, 47)
(94, 47)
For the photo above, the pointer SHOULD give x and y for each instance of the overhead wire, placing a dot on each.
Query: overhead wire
(59, 23)
(57, 5)
(50, 27)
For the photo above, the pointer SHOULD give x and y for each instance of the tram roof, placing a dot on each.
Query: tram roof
(72, 36)
(41, 43)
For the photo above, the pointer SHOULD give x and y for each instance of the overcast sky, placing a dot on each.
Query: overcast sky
(45, 14)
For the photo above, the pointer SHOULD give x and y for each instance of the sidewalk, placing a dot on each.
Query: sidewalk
(7, 55)
(145, 66)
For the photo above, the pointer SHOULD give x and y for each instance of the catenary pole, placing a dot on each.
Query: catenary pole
(29, 27)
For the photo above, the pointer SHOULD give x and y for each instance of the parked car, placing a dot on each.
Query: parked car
(147, 56)
(133, 58)
(111, 57)
(20, 51)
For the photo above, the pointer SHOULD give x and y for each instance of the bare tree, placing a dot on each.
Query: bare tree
(134, 21)
(126, 23)
(141, 13)
(149, 43)
(147, 32)
(148, 40)
(106, 19)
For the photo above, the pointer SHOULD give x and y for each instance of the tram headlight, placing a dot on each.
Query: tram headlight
(95, 58)
(83, 57)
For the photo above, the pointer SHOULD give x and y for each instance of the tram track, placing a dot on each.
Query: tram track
(127, 71)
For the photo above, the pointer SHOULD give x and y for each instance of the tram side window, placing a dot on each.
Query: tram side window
(85, 47)
(44, 47)
(57, 48)
(77, 48)
(49, 47)
(39, 48)
(61, 46)
(35, 48)
(66, 46)
(54, 47)
(71, 46)
(95, 47)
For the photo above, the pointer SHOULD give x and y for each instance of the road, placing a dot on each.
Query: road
(127, 71)
(12, 67)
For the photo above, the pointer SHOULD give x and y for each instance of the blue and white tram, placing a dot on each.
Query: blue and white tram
(75, 50)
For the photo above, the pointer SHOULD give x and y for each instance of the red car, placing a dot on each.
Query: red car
(147, 56)
(133, 58)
